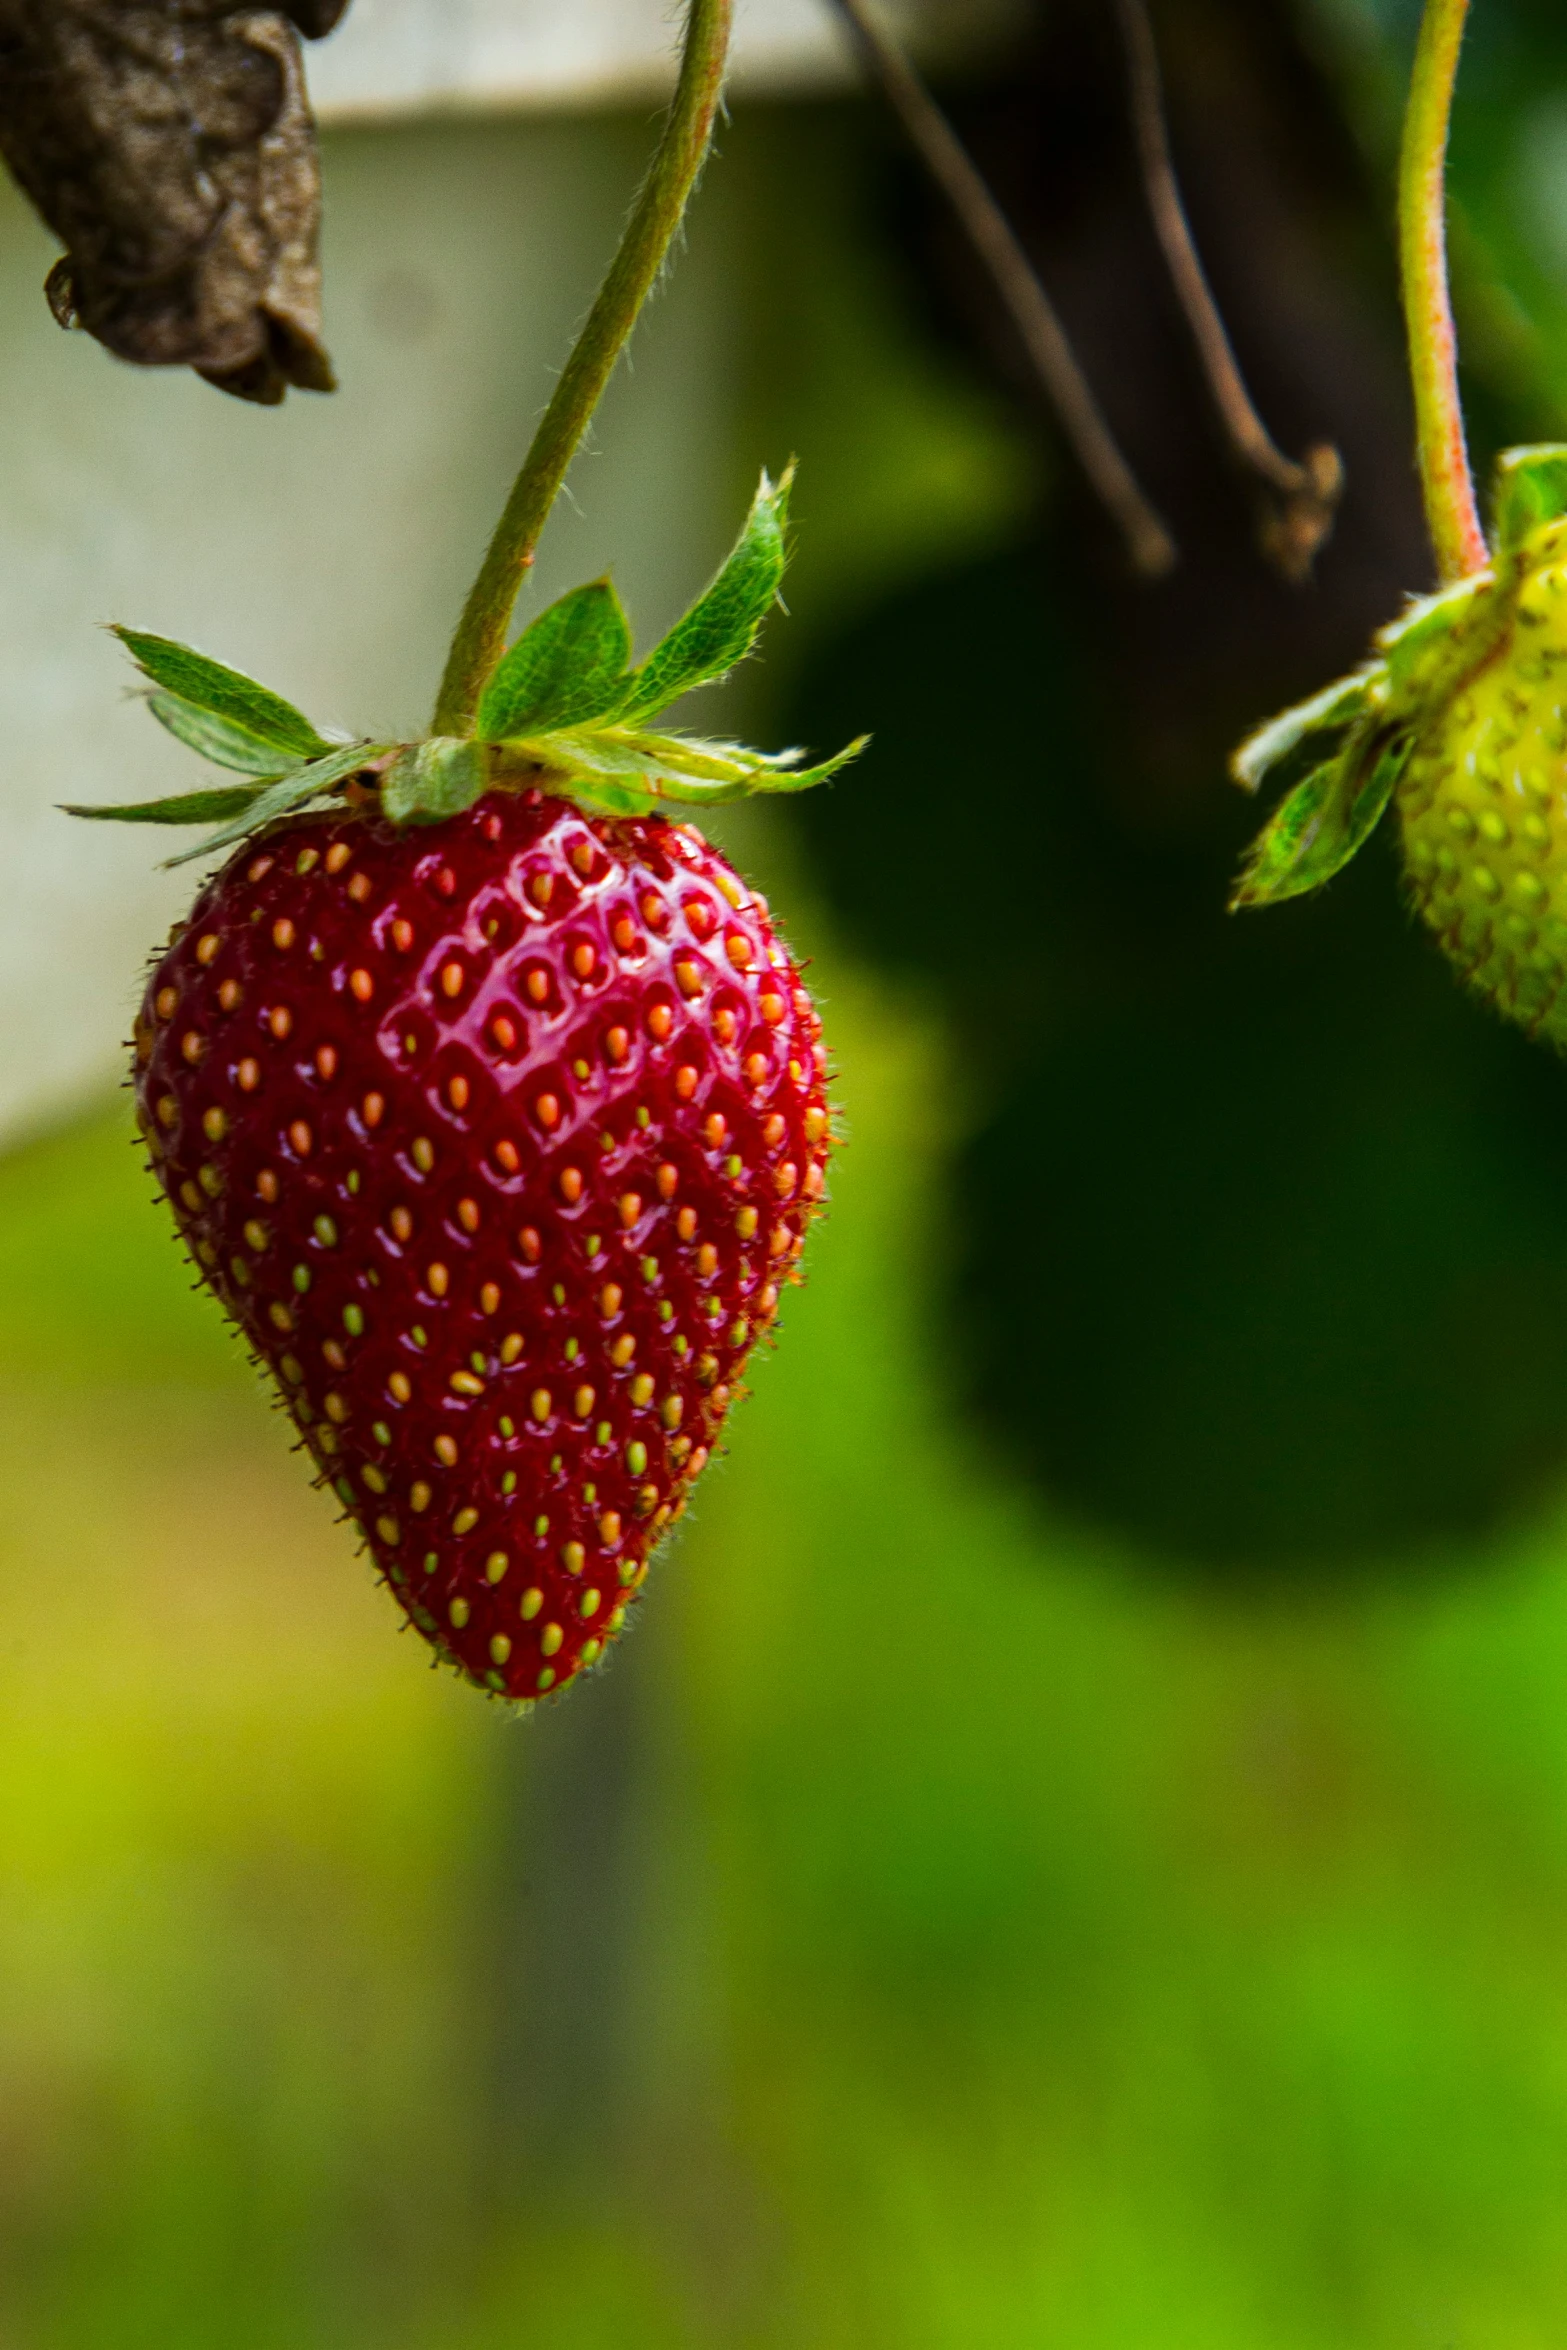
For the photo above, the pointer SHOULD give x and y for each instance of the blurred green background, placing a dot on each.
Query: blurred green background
(1075, 1851)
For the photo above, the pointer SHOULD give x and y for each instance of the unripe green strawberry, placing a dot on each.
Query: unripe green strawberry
(1461, 723)
(1480, 802)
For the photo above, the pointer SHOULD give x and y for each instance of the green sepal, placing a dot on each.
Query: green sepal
(599, 792)
(1531, 490)
(432, 780)
(721, 626)
(705, 761)
(192, 807)
(566, 670)
(766, 776)
(227, 693)
(284, 797)
(614, 750)
(1318, 827)
(1437, 640)
(1306, 734)
(218, 739)
(625, 772)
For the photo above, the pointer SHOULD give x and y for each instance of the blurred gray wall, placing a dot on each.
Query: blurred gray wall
(392, 55)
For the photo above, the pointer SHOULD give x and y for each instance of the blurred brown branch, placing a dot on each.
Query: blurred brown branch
(991, 236)
(169, 145)
(1302, 498)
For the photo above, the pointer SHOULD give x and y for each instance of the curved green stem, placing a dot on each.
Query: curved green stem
(1446, 482)
(655, 216)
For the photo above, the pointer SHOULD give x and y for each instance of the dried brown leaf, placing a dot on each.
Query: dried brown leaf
(169, 145)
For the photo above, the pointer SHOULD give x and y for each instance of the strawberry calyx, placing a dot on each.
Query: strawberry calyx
(1340, 755)
(566, 710)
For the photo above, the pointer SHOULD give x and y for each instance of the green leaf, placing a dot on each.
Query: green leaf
(192, 807)
(568, 668)
(430, 781)
(1308, 732)
(1315, 831)
(226, 693)
(721, 626)
(284, 796)
(218, 739)
(1531, 490)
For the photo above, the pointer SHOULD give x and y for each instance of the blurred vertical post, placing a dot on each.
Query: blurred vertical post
(556, 1936)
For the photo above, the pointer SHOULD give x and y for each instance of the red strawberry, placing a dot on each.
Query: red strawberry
(494, 1113)
(497, 1140)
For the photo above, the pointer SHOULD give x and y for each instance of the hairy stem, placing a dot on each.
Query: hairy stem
(655, 216)
(1149, 544)
(1446, 482)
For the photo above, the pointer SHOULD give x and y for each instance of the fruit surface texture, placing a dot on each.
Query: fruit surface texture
(498, 1139)
(1482, 803)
